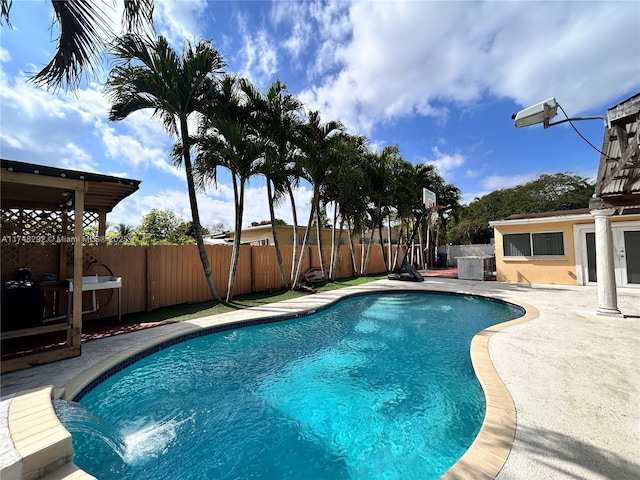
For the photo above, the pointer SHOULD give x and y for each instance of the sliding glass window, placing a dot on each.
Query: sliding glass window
(517, 245)
(533, 244)
(548, 243)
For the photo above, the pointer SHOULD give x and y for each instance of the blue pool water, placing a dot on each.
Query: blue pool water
(374, 387)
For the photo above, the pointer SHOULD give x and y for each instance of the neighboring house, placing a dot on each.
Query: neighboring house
(559, 248)
(263, 235)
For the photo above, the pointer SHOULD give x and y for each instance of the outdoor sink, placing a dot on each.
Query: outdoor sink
(96, 282)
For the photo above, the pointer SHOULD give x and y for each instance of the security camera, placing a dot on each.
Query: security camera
(539, 113)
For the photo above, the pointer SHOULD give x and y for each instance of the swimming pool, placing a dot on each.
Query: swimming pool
(372, 387)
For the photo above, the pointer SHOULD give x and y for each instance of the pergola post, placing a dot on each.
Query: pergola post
(605, 268)
(102, 223)
(76, 319)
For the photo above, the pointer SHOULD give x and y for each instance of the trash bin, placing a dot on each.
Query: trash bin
(442, 260)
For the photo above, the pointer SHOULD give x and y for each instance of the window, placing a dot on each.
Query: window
(533, 244)
(517, 245)
(548, 243)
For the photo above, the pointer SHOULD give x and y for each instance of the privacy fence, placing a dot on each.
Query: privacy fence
(165, 275)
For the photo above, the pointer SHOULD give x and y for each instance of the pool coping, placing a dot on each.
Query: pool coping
(490, 449)
(483, 459)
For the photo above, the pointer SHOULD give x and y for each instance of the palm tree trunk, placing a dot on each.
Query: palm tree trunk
(390, 265)
(352, 250)
(294, 282)
(366, 260)
(334, 264)
(274, 231)
(239, 197)
(384, 254)
(421, 248)
(333, 243)
(323, 268)
(195, 216)
(294, 215)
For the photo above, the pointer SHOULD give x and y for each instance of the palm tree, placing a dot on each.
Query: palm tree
(345, 188)
(83, 27)
(227, 138)
(278, 119)
(317, 144)
(150, 74)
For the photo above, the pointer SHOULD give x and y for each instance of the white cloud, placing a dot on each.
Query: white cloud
(5, 56)
(45, 128)
(406, 58)
(130, 150)
(446, 163)
(258, 54)
(179, 20)
(497, 182)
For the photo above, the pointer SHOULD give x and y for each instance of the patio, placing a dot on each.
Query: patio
(572, 375)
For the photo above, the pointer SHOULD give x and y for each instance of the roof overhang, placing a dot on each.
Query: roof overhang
(535, 219)
(618, 182)
(30, 186)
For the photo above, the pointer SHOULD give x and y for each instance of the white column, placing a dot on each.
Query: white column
(605, 270)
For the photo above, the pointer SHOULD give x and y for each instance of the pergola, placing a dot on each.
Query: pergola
(62, 197)
(617, 189)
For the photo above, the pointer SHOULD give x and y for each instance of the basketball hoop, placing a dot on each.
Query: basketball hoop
(428, 198)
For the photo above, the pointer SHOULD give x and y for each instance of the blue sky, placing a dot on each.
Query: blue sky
(439, 79)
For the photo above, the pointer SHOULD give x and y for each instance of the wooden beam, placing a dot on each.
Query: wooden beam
(624, 109)
(27, 332)
(614, 201)
(27, 361)
(42, 181)
(623, 163)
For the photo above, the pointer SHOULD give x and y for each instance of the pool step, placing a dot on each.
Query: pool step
(69, 471)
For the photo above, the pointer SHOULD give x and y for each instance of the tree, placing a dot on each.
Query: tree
(83, 27)
(226, 139)
(277, 116)
(317, 143)
(163, 226)
(276, 221)
(346, 188)
(119, 234)
(545, 193)
(150, 74)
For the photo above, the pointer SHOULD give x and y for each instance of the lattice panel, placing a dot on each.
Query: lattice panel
(89, 220)
(9, 256)
(30, 226)
(87, 257)
(43, 257)
(42, 226)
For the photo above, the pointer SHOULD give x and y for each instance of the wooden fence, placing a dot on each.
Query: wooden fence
(160, 276)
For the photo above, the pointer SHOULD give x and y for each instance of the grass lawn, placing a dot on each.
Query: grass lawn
(184, 312)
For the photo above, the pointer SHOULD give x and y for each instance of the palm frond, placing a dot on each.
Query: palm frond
(82, 29)
(5, 6)
(138, 15)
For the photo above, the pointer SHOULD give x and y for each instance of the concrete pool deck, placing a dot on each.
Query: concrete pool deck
(573, 377)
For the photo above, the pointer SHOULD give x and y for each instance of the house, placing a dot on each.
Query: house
(263, 235)
(600, 245)
(560, 248)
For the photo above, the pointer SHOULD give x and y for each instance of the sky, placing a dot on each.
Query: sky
(438, 79)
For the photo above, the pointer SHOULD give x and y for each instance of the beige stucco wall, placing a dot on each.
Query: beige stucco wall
(285, 235)
(550, 270)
